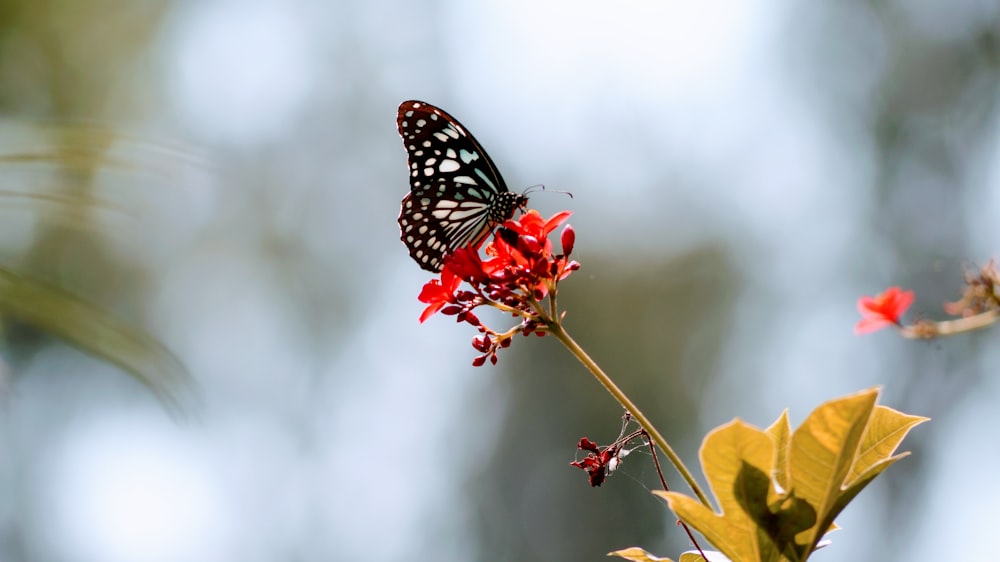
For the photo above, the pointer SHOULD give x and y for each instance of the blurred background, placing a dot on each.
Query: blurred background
(215, 184)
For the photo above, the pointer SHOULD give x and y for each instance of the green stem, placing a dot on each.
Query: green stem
(556, 329)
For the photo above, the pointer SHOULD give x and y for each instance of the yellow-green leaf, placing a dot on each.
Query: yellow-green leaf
(883, 434)
(779, 491)
(733, 458)
(822, 452)
(712, 556)
(636, 554)
(781, 432)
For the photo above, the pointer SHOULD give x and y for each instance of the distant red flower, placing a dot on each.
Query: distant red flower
(596, 462)
(882, 310)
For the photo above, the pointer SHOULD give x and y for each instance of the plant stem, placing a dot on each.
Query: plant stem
(556, 329)
(927, 329)
(656, 463)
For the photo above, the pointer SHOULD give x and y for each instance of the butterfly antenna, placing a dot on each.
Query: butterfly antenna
(541, 187)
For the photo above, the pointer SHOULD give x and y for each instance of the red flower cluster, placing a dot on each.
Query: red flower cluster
(521, 270)
(882, 310)
(596, 462)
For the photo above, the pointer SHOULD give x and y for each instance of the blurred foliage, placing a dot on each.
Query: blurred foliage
(65, 60)
(48, 186)
(93, 330)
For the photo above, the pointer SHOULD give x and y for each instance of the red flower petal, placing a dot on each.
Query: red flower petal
(555, 220)
(869, 325)
(532, 224)
(430, 310)
(431, 292)
(882, 310)
(438, 293)
(587, 445)
(465, 263)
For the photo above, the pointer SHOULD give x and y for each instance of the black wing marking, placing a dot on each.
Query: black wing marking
(457, 196)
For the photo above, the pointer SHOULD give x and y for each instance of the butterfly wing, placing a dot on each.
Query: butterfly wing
(457, 196)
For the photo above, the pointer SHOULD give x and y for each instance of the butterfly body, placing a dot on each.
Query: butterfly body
(457, 195)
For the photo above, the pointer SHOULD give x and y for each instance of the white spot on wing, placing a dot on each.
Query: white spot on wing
(449, 165)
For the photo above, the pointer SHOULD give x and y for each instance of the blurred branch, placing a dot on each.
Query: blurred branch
(95, 332)
(69, 158)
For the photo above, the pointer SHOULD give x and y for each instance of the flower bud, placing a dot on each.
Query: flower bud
(568, 238)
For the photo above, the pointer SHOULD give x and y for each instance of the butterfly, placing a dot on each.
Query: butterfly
(457, 196)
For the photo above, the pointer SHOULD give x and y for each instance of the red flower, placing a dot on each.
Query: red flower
(532, 224)
(437, 294)
(596, 462)
(466, 264)
(882, 310)
(524, 247)
(519, 270)
(520, 258)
